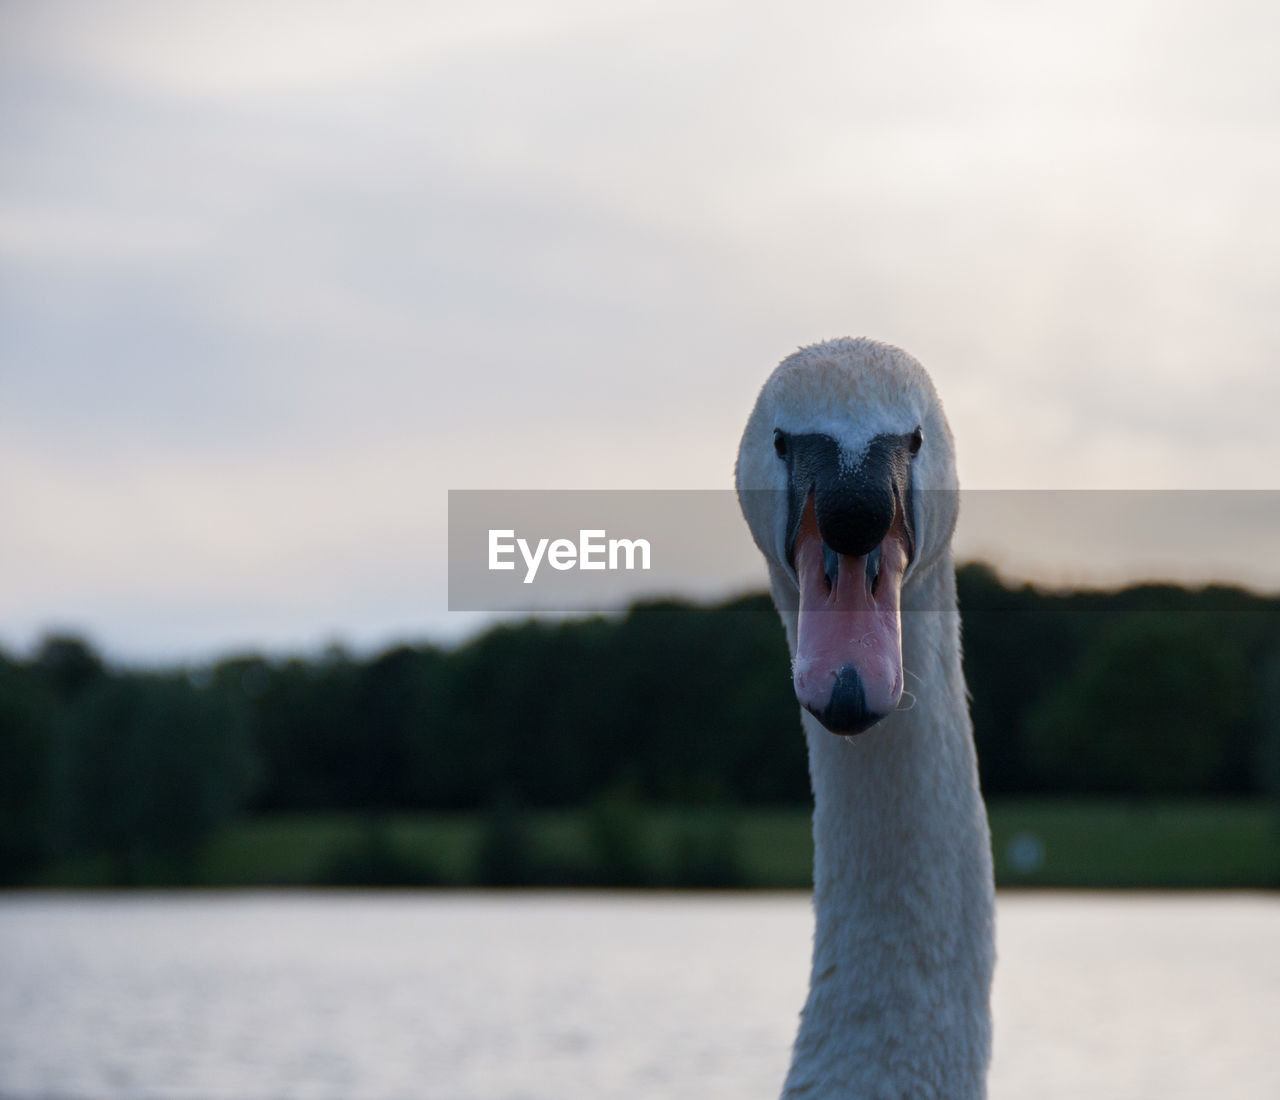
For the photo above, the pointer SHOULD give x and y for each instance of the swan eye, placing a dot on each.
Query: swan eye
(780, 442)
(917, 440)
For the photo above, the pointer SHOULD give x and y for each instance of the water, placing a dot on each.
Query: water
(531, 996)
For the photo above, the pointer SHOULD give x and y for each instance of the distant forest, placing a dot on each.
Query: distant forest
(1149, 691)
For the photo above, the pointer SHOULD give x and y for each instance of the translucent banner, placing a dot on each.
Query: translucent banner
(584, 551)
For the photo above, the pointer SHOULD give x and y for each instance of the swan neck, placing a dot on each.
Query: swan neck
(903, 896)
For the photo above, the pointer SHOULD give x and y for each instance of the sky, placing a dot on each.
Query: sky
(275, 277)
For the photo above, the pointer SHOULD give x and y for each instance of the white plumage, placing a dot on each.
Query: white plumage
(903, 952)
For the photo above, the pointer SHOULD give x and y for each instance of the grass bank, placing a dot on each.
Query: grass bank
(1036, 843)
(1113, 844)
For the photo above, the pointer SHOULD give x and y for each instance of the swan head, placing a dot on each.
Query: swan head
(846, 477)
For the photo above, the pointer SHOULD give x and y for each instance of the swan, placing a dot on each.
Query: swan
(846, 477)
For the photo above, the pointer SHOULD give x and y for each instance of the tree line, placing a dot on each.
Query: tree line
(1153, 690)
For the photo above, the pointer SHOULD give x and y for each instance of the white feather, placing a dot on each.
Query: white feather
(903, 953)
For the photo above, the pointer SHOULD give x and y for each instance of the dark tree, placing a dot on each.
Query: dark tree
(1149, 708)
(26, 763)
(151, 766)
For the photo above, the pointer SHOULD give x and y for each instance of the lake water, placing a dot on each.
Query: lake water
(523, 996)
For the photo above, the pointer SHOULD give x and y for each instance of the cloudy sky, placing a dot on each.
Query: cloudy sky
(274, 277)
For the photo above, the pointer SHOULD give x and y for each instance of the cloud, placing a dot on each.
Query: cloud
(358, 257)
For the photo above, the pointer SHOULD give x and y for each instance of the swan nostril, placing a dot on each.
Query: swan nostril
(873, 568)
(830, 566)
(780, 442)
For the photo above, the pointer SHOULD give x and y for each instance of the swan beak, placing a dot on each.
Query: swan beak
(848, 664)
